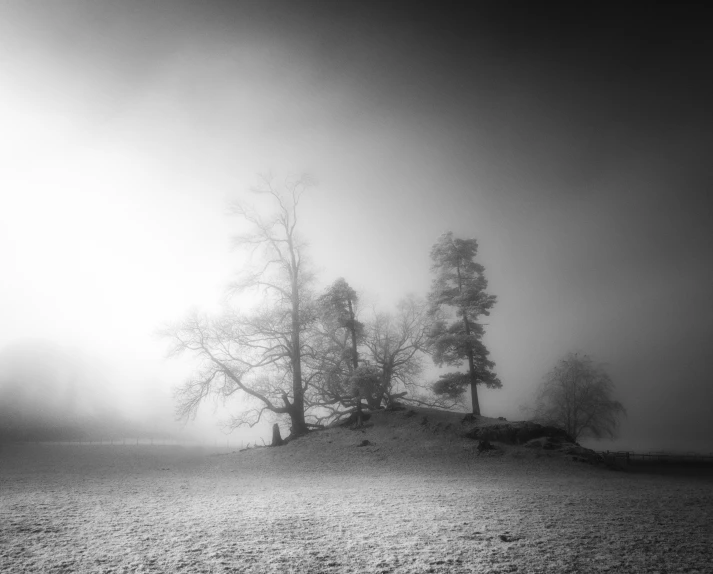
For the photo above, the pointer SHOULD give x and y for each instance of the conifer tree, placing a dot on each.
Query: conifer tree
(457, 299)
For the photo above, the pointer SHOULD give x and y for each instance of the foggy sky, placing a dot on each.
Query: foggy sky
(572, 144)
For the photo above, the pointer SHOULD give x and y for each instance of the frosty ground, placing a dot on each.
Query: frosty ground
(416, 499)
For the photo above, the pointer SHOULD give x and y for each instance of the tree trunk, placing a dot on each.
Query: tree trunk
(352, 330)
(297, 416)
(355, 358)
(276, 438)
(473, 385)
(471, 362)
(359, 413)
(297, 413)
(473, 376)
(298, 427)
(374, 401)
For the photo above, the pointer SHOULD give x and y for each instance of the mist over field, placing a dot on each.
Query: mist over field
(355, 286)
(572, 143)
(48, 392)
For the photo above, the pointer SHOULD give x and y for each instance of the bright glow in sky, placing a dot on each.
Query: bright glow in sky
(127, 127)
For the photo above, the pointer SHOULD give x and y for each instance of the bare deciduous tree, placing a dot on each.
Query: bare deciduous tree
(576, 396)
(397, 344)
(258, 354)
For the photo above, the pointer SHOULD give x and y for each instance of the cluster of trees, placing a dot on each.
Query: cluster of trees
(316, 358)
(313, 357)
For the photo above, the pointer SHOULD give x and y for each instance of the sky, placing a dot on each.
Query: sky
(572, 143)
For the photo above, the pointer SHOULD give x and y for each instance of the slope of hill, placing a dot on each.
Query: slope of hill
(418, 438)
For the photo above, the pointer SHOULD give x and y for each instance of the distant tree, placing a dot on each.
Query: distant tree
(457, 300)
(257, 354)
(576, 396)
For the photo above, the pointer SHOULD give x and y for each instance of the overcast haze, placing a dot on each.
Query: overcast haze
(575, 146)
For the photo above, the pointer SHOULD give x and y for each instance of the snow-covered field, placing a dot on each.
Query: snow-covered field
(413, 500)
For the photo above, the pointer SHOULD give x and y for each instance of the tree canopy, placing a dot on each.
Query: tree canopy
(377, 360)
(260, 353)
(397, 344)
(576, 395)
(334, 341)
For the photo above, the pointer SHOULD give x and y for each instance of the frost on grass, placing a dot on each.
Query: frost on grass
(420, 502)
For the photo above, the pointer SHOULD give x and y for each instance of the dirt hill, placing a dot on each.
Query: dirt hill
(422, 437)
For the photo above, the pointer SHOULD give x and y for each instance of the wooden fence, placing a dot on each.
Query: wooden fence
(660, 459)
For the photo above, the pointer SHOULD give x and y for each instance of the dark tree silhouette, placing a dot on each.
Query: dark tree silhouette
(337, 386)
(576, 396)
(457, 300)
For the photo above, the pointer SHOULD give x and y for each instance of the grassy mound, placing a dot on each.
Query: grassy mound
(422, 437)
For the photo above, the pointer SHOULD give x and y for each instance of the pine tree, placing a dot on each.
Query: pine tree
(457, 299)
